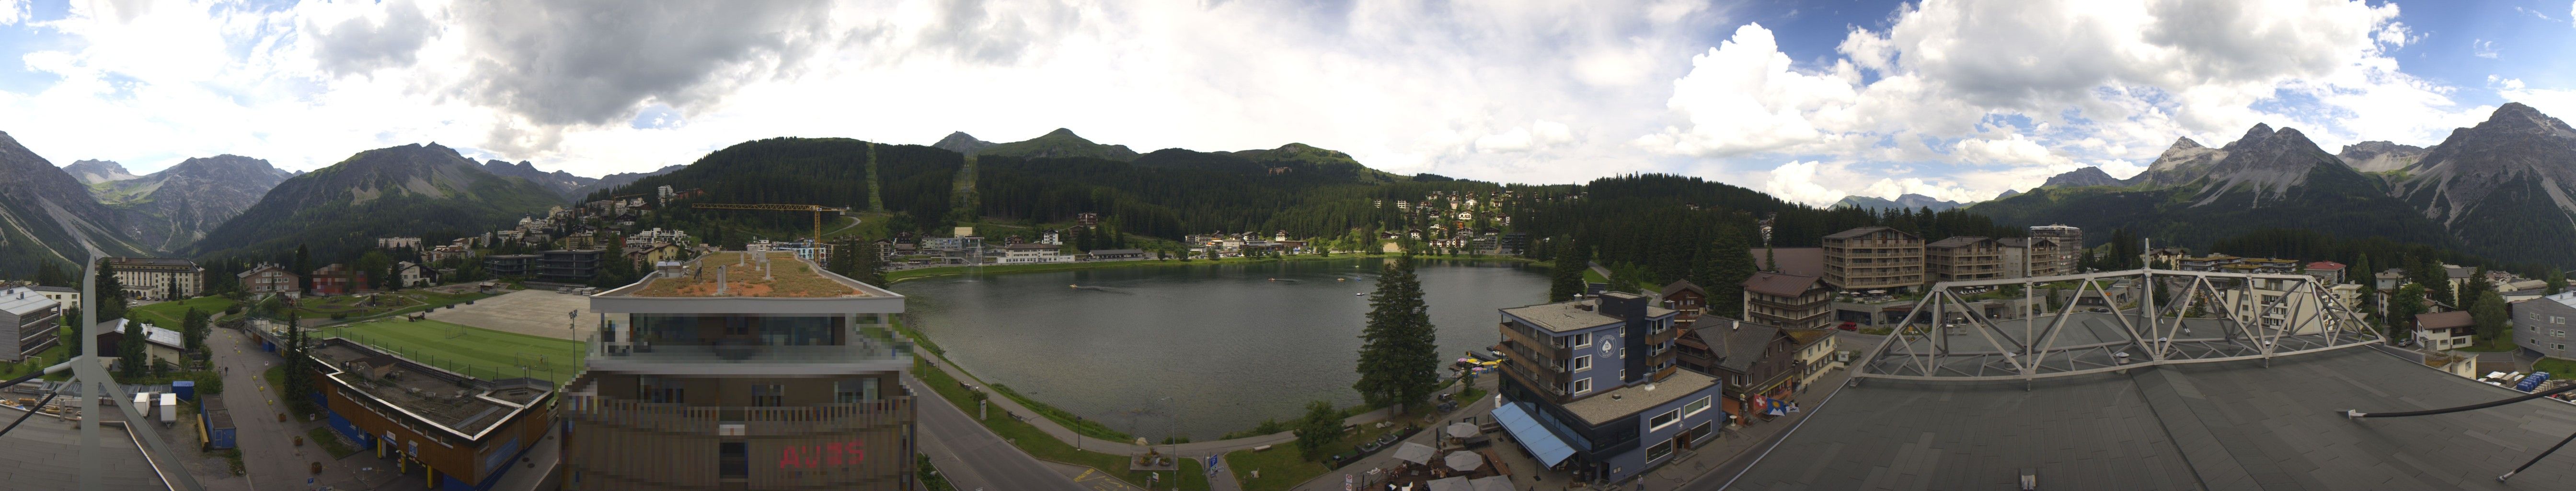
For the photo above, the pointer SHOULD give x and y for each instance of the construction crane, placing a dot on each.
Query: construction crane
(817, 209)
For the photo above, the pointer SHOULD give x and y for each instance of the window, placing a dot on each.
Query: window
(849, 391)
(2557, 320)
(1582, 386)
(1694, 408)
(2558, 333)
(1665, 420)
(1582, 340)
(1582, 363)
(733, 460)
(769, 395)
(1660, 450)
(659, 390)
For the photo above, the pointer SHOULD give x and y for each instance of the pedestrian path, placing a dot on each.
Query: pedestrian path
(1069, 437)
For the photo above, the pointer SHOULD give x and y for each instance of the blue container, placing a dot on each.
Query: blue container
(186, 389)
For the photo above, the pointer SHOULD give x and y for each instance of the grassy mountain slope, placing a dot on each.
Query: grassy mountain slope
(394, 191)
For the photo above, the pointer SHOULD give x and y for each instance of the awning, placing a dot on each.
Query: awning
(1540, 443)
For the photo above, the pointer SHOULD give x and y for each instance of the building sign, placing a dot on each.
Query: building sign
(833, 454)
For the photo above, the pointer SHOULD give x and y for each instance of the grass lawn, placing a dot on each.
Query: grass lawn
(2501, 343)
(2557, 367)
(168, 314)
(1281, 468)
(329, 442)
(1037, 443)
(476, 352)
(46, 358)
(1590, 276)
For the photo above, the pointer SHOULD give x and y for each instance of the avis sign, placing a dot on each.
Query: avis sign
(834, 454)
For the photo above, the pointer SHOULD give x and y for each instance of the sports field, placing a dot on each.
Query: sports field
(476, 352)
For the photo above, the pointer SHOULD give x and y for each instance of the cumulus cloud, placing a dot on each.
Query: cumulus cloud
(2034, 86)
(12, 11)
(2555, 102)
(2483, 49)
(366, 42)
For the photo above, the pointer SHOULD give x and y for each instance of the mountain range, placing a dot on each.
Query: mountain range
(98, 171)
(2499, 189)
(1908, 201)
(393, 191)
(167, 210)
(43, 209)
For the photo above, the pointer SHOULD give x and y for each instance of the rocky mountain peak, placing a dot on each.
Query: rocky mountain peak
(2083, 176)
(961, 142)
(2184, 143)
(98, 171)
(2259, 132)
(2379, 155)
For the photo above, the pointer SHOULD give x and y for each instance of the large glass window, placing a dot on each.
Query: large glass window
(1663, 420)
(768, 395)
(655, 329)
(659, 390)
(1695, 407)
(1659, 450)
(854, 390)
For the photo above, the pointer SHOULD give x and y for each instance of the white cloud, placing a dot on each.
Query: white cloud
(2034, 86)
(1798, 181)
(12, 11)
(2556, 102)
(2483, 49)
(2120, 168)
(1488, 90)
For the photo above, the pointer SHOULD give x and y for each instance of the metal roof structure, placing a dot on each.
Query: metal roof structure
(2221, 401)
(1945, 338)
(2225, 425)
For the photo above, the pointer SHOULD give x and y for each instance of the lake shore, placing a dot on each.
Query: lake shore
(893, 277)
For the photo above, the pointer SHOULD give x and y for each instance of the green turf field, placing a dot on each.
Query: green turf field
(168, 314)
(474, 351)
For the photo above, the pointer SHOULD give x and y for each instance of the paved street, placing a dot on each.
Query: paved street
(973, 457)
(268, 450)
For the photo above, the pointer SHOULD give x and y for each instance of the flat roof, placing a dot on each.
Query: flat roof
(1561, 316)
(1627, 400)
(744, 276)
(465, 412)
(23, 301)
(2234, 425)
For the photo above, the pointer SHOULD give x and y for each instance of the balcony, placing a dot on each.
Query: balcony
(751, 356)
(881, 415)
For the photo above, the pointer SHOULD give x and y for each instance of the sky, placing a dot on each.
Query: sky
(1810, 101)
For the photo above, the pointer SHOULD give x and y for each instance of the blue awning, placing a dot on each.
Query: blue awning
(1540, 443)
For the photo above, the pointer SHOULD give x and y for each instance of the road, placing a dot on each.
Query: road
(973, 457)
(269, 454)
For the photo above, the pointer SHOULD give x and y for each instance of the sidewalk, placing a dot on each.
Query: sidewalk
(1004, 405)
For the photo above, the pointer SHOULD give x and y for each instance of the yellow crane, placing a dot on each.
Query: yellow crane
(818, 211)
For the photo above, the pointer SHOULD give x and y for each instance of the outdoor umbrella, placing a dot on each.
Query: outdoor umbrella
(1495, 483)
(1461, 430)
(1451, 484)
(1415, 453)
(1463, 461)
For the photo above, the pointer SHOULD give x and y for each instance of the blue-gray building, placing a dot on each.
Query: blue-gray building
(2541, 324)
(1590, 387)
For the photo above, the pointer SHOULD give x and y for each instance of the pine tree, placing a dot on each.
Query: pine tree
(193, 328)
(1399, 359)
(111, 293)
(1733, 265)
(2490, 316)
(303, 269)
(2557, 281)
(134, 360)
(74, 332)
(299, 381)
(2402, 309)
(1565, 275)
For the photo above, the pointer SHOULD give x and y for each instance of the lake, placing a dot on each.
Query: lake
(1228, 345)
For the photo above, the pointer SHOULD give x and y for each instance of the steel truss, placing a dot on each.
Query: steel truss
(1945, 338)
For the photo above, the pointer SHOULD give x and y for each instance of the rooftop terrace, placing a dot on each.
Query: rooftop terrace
(744, 274)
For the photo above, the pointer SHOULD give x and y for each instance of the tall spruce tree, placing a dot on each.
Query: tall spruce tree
(1732, 265)
(132, 355)
(2402, 309)
(1399, 352)
(2557, 281)
(1565, 274)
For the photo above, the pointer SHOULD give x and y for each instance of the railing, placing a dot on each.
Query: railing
(756, 421)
